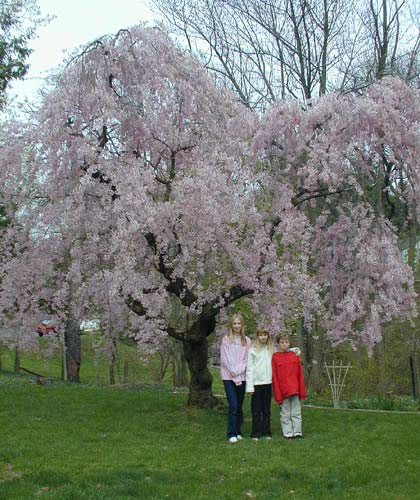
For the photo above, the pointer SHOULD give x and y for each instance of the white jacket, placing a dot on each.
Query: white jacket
(258, 367)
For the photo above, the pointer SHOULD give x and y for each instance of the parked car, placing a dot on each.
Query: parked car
(90, 326)
(47, 327)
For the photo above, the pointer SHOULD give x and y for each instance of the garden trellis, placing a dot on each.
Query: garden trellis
(337, 373)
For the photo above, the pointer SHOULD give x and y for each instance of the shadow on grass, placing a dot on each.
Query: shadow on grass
(117, 483)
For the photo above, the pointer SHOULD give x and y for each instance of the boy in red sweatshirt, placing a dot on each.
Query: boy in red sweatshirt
(288, 386)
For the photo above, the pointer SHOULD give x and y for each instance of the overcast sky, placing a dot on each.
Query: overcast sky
(76, 22)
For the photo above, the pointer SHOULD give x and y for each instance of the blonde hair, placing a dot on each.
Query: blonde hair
(256, 342)
(231, 335)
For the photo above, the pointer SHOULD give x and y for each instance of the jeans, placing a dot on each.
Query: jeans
(235, 395)
(260, 409)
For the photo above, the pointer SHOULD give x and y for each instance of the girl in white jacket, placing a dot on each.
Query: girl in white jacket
(258, 383)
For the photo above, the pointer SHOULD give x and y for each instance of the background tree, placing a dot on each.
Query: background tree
(268, 50)
(387, 44)
(19, 20)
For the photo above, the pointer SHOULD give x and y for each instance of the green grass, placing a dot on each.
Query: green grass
(94, 367)
(87, 442)
(386, 402)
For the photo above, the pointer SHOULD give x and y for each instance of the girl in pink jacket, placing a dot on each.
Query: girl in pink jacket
(233, 357)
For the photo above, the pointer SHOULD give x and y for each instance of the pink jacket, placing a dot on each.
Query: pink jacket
(233, 356)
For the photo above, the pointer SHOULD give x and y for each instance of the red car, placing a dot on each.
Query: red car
(47, 327)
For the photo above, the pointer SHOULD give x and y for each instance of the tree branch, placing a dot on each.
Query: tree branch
(319, 194)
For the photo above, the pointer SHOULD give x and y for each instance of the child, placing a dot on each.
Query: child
(289, 387)
(258, 383)
(233, 356)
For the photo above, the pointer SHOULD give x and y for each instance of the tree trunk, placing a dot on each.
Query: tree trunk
(125, 378)
(112, 362)
(63, 360)
(306, 348)
(164, 359)
(73, 348)
(195, 333)
(380, 360)
(180, 373)
(17, 359)
(200, 390)
(319, 347)
(112, 370)
(314, 346)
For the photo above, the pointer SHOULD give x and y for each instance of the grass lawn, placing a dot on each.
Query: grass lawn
(86, 442)
(94, 367)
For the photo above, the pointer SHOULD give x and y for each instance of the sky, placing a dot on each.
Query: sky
(76, 22)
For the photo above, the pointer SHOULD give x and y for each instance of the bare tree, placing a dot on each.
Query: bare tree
(267, 50)
(388, 43)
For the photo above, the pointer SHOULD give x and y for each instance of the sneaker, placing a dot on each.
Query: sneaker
(239, 437)
(232, 440)
(268, 438)
(255, 439)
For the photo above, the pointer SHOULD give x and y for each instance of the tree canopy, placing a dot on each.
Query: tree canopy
(143, 187)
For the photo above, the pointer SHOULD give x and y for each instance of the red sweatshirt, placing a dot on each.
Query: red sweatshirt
(287, 376)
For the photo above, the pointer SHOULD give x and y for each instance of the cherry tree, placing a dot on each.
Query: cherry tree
(141, 166)
(352, 160)
(17, 330)
(154, 190)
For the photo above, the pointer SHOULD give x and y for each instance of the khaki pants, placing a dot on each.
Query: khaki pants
(291, 417)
